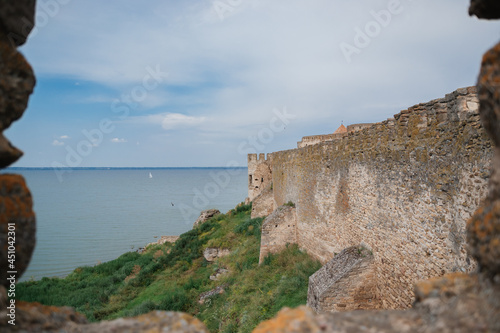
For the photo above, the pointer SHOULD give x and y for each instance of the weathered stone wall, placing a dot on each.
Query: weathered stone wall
(315, 139)
(278, 230)
(347, 282)
(357, 127)
(259, 174)
(404, 187)
(263, 204)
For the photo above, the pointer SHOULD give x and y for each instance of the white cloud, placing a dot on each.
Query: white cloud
(118, 140)
(169, 121)
(57, 143)
(64, 137)
(177, 120)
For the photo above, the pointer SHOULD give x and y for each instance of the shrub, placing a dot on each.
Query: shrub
(175, 300)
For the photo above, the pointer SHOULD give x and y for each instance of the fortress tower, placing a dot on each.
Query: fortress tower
(259, 174)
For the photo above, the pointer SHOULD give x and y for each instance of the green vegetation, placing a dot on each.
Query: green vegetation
(172, 277)
(289, 203)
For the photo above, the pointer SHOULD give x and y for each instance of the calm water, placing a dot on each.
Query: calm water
(96, 215)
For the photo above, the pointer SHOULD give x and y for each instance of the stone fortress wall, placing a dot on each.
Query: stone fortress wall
(402, 188)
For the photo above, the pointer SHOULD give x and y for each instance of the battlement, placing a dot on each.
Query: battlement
(261, 158)
(259, 173)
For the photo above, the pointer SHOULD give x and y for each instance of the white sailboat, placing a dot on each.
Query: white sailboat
(150, 175)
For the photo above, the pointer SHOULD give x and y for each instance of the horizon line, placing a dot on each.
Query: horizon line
(107, 168)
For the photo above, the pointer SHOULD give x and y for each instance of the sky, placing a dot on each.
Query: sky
(164, 83)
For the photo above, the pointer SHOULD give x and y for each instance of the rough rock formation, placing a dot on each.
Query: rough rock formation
(18, 217)
(210, 293)
(212, 253)
(34, 317)
(484, 227)
(487, 9)
(17, 18)
(16, 84)
(163, 240)
(218, 273)
(205, 216)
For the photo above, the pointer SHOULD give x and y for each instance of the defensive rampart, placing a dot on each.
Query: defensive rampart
(403, 188)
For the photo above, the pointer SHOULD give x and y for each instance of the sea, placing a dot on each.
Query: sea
(93, 215)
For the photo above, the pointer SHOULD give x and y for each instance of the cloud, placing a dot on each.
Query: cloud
(169, 121)
(57, 143)
(64, 137)
(177, 120)
(227, 74)
(117, 140)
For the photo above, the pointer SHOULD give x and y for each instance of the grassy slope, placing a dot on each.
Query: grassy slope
(171, 277)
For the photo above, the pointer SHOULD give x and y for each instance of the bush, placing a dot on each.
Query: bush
(175, 300)
(250, 227)
(142, 308)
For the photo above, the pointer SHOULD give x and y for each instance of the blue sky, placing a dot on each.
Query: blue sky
(164, 83)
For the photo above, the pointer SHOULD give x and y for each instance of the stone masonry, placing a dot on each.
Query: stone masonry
(263, 204)
(405, 187)
(259, 174)
(347, 282)
(278, 230)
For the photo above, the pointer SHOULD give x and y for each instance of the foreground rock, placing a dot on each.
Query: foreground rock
(16, 76)
(487, 9)
(205, 216)
(18, 19)
(34, 317)
(17, 217)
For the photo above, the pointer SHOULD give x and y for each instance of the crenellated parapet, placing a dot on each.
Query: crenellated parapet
(259, 174)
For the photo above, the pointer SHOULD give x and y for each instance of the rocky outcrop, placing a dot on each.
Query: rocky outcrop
(484, 227)
(205, 216)
(16, 84)
(218, 273)
(163, 240)
(212, 253)
(17, 18)
(486, 9)
(34, 317)
(17, 226)
(17, 220)
(210, 293)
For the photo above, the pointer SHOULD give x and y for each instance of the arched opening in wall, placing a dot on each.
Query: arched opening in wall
(250, 178)
(262, 180)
